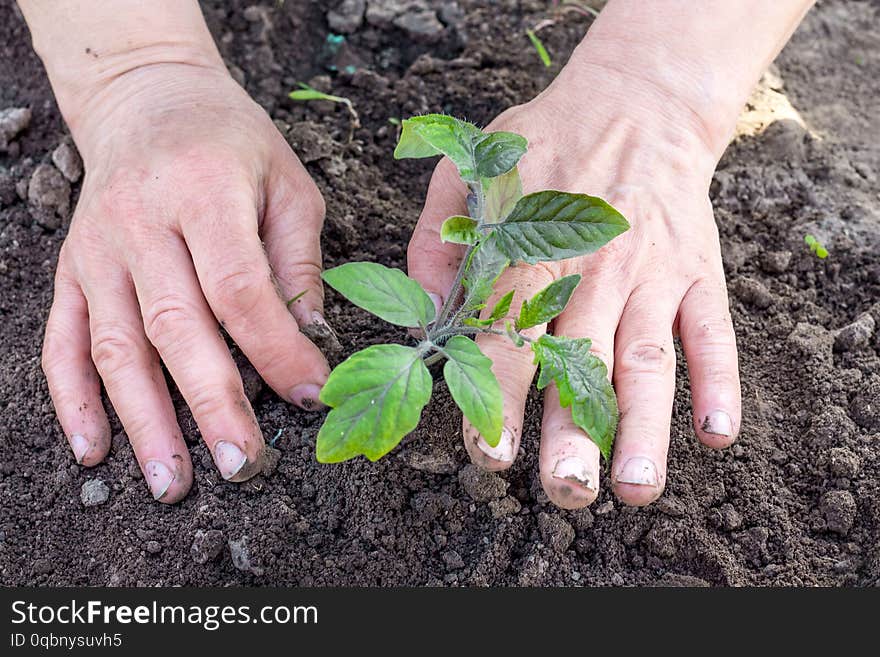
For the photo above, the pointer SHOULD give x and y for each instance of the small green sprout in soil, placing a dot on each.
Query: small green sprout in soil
(306, 93)
(377, 395)
(816, 247)
(539, 48)
(559, 9)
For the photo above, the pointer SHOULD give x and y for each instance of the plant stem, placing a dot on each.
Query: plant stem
(452, 331)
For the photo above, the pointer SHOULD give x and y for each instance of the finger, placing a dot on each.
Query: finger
(644, 377)
(430, 261)
(73, 381)
(130, 369)
(513, 367)
(569, 460)
(710, 349)
(234, 273)
(180, 326)
(291, 225)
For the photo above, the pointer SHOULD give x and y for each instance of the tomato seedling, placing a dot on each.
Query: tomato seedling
(816, 247)
(377, 395)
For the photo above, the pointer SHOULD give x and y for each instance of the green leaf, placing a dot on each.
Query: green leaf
(474, 388)
(502, 307)
(498, 312)
(539, 47)
(436, 134)
(582, 380)
(498, 152)
(501, 195)
(552, 225)
(485, 264)
(377, 396)
(816, 247)
(547, 303)
(305, 92)
(387, 293)
(475, 153)
(460, 230)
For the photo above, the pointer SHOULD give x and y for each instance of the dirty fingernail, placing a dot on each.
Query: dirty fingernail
(718, 423)
(80, 446)
(503, 451)
(305, 395)
(438, 302)
(229, 459)
(639, 471)
(159, 478)
(573, 470)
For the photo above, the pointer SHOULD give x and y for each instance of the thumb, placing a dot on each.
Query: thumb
(430, 261)
(291, 233)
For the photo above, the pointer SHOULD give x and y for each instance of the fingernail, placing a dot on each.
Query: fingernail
(438, 302)
(80, 446)
(305, 395)
(318, 318)
(574, 471)
(503, 451)
(639, 471)
(229, 459)
(718, 423)
(159, 478)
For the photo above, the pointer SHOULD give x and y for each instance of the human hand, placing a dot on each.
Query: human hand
(194, 211)
(663, 278)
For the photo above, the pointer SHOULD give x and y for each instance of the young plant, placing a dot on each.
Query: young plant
(377, 395)
(307, 93)
(816, 247)
(539, 48)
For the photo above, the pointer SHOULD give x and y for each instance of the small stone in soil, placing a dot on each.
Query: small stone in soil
(865, 407)
(435, 462)
(94, 492)
(13, 121)
(844, 463)
(856, 335)
(838, 507)
(506, 506)
(241, 557)
(153, 547)
(49, 196)
(207, 545)
(776, 262)
(555, 532)
(453, 560)
(347, 17)
(481, 485)
(752, 292)
(68, 161)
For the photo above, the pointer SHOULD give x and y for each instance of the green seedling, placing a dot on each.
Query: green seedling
(306, 93)
(816, 247)
(559, 9)
(539, 48)
(377, 395)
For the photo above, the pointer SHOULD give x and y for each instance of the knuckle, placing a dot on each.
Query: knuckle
(237, 292)
(116, 348)
(208, 401)
(165, 320)
(646, 356)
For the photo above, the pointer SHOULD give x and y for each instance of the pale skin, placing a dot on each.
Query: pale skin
(195, 213)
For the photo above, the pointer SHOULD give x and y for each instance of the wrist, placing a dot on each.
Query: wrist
(80, 89)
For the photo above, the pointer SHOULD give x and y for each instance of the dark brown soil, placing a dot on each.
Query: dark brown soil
(795, 502)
